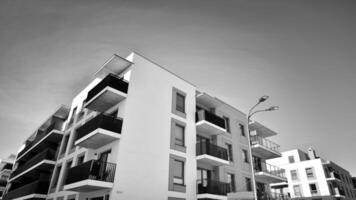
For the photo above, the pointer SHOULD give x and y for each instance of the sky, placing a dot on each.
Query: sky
(301, 53)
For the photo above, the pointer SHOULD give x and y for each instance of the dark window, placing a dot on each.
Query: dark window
(244, 156)
(178, 173)
(310, 172)
(179, 135)
(229, 151)
(248, 184)
(180, 102)
(227, 124)
(231, 181)
(291, 159)
(80, 159)
(242, 129)
(313, 188)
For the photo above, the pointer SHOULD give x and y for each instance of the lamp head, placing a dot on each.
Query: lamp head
(263, 98)
(272, 108)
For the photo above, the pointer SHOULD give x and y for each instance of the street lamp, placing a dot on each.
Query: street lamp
(250, 114)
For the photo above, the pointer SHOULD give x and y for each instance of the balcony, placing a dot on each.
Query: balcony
(333, 176)
(264, 148)
(90, 176)
(209, 123)
(107, 93)
(43, 161)
(211, 189)
(339, 193)
(99, 131)
(267, 173)
(44, 139)
(34, 190)
(3, 183)
(211, 154)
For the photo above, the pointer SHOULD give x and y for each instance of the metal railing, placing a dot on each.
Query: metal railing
(101, 121)
(93, 170)
(208, 186)
(211, 149)
(38, 137)
(255, 139)
(271, 196)
(111, 81)
(47, 154)
(268, 168)
(37, 187)
(210, 117)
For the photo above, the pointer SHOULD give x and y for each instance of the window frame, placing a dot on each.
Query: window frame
(173, 143)
(175, 93)
(245, 156)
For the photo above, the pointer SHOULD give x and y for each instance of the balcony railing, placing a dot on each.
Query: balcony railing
(109, 81)
(210, 117)
(101, 121)
(38, 137)
(208, 186)
(270, 169)
(255, 139)
(37, 187)
(271, 196)
(212, 150)
(47, 154)
(92, 170)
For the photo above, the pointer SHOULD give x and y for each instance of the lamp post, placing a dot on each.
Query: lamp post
(250, 114)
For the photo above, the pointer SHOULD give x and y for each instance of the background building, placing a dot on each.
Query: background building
(5, 171)
(310, 176)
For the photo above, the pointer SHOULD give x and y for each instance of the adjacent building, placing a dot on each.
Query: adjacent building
(5, 171)
(138, 131)
(312, 177)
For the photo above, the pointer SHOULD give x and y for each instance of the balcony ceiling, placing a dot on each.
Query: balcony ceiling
(262, 130)
(115, 65)
(264, 152)
(265, 177)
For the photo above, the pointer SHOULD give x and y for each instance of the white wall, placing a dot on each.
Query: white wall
(143, 161)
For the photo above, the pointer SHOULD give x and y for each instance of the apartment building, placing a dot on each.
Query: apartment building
(265, 173)
(312, 177)
(5, 171)
(138, 131)
(36, 159)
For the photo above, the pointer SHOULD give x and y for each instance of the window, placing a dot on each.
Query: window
(294, 174)
(176, 173)
(248, 184)
(64, 144)
(179, 135)
(80, 159)
(178, 102)
(310, 172)
(242, 129)
(313, 189)
(244, 156)
(229, 152)
(291, 159)
(178, 177)
(227, 124)
(56, 176)
(297, 190)
(231, 181)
